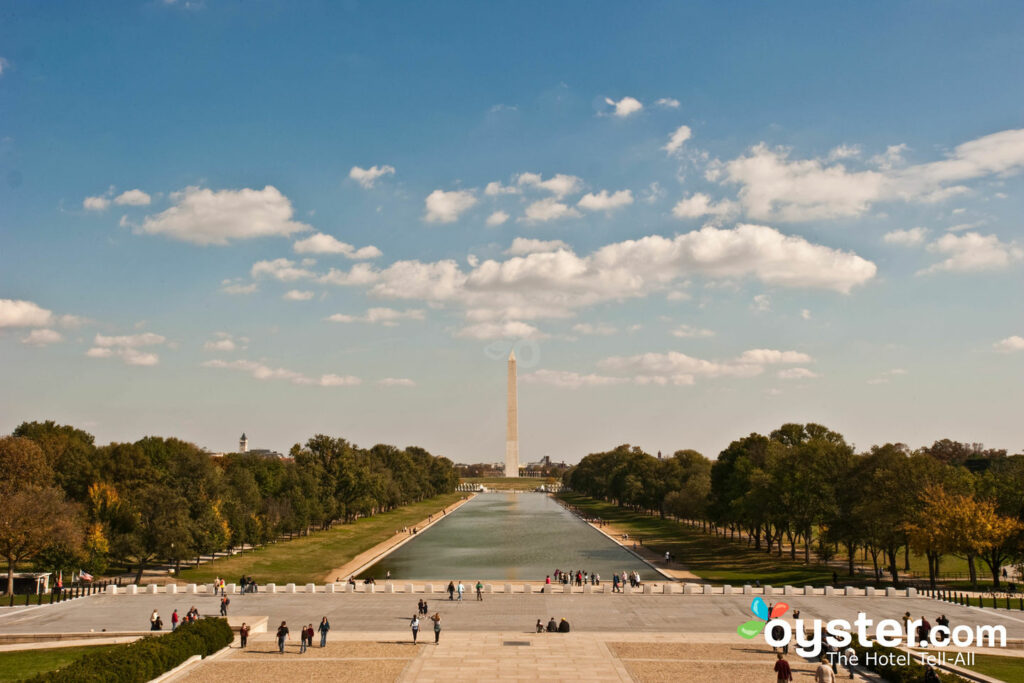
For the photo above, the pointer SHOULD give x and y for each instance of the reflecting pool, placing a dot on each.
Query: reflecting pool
(507, 537)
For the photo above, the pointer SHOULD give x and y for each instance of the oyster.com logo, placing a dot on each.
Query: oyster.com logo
(750, 629)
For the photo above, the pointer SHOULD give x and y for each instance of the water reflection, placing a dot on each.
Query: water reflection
(507, 537)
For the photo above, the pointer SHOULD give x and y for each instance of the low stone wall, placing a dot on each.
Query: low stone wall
(647, 588)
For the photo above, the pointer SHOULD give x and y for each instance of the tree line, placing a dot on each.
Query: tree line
(70, 504)
(804, 485)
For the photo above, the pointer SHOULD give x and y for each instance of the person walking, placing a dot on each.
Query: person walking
(437, 626)
(224, 602)
(324, 627)
(414, 624)
(282, 635)
(783, 674)
(243, 634)
(302, 640)
(174, 620)
(479, 591)
(824, 673)
(451, 590)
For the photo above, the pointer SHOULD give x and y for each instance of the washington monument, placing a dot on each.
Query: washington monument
(512, 429)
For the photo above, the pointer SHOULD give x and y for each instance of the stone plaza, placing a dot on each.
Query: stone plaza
(615, 637)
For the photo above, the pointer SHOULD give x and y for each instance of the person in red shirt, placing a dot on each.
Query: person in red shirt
(782, 670)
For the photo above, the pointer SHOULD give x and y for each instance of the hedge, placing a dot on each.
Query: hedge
(901, 673)
(147, 658)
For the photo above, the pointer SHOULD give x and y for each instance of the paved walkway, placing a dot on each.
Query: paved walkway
(384, 547)
(497, 612)
(502, 656)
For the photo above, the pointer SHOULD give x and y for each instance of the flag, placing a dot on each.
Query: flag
(84, 576)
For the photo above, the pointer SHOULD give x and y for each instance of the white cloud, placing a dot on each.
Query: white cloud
(960, 227)
(625, 106)
(805, 314)
(129, 340)
(524, 245)
(548, 209)
(263, 372)
(132, 198)
(559, 184)
(906, 238)
(95, 203)
(972, 252)
(571, 380)
(510, 329)
(886, 376)
(388, 317)
(603, 201)
(797, 373)
(668, 102)
(675, 141)
(280, 269)
(496, 219)
(1010, 344)
(42, 337)
(446, 207)
(762, 303)
(396, 382)
(555, 284)
(4, 65)
(700, 204)
(297, 295)
(236, 287)
(321, 243)
(600, 329)
(368, 176)
(844, 152)
(203, 216)
(126, 347)
(19, 313)
(653, 193)
(680, 369)
(772, 186)
(494, 188)
(773, 357)
(687, 331)
(224, 343)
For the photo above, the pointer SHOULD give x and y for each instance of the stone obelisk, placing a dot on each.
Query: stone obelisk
(512, 428)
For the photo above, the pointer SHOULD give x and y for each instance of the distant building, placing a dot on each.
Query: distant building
(243, 444)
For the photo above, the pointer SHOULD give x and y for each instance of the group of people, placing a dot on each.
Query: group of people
(923, 629)
(552, 627)
(246, 584)
(414, 623)
(306, 636)
(156, 623)
(460, 588)
(620, 580)
(579, 577)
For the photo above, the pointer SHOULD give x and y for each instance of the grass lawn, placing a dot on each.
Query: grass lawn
(308, 559)
(1004, 668)
(509, 483)
(22, 664)
(713, 558)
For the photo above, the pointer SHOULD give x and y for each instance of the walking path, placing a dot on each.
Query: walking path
(501, 656)
(368, 557)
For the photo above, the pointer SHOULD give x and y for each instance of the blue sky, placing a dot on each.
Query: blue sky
(691, 221)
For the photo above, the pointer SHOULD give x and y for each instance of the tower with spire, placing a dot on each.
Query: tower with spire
(512, 426)
(243, 444)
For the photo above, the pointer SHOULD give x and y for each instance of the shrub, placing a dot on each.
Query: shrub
(147, 658)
